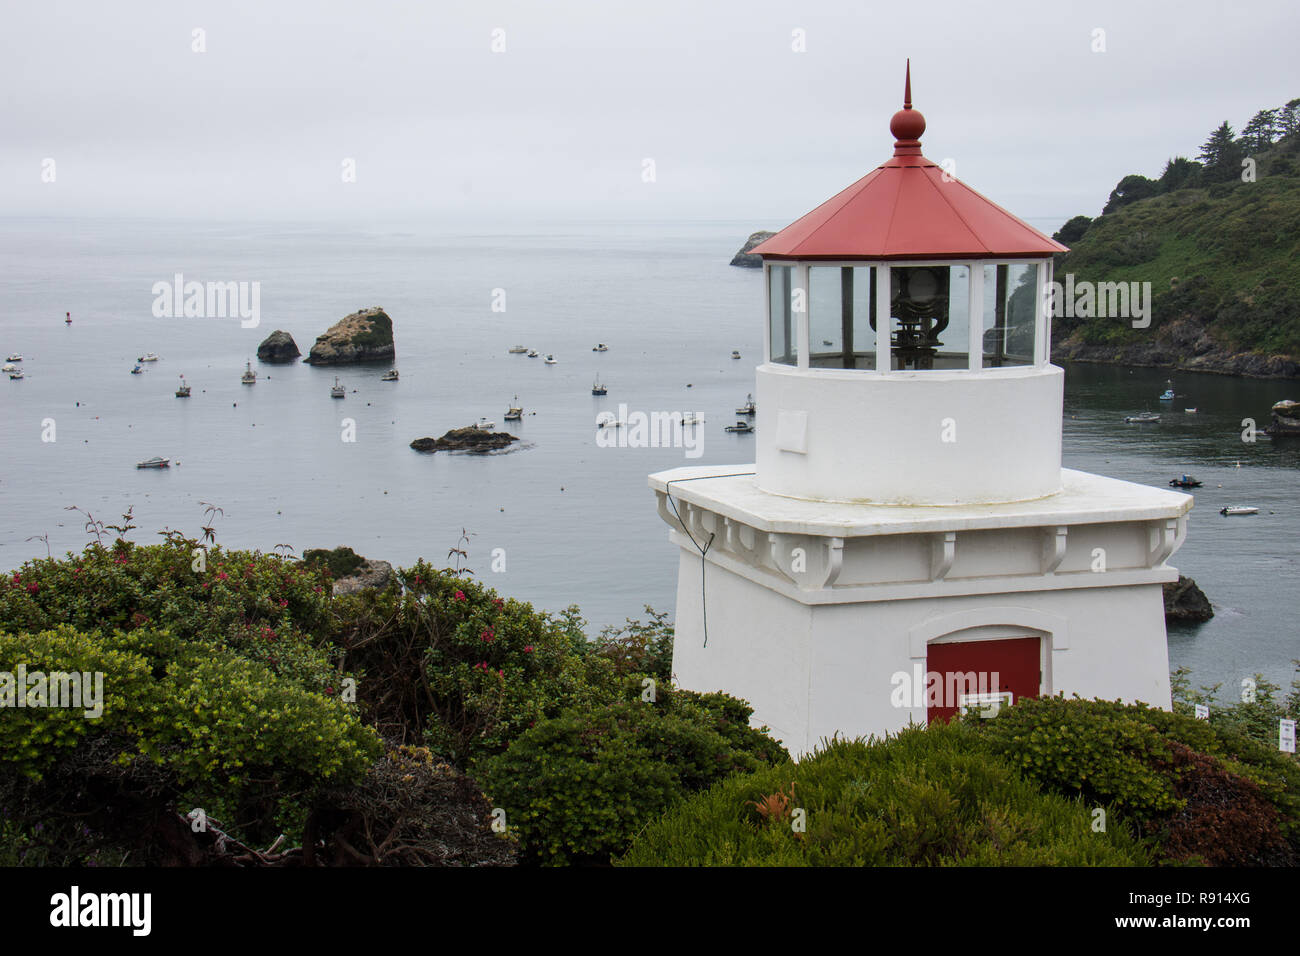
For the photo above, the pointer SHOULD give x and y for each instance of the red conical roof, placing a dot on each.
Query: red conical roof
(905, 210)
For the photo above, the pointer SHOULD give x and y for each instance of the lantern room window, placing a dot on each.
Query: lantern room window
(842, 317)
(1011, 320)
(929, 317)
(783, 330)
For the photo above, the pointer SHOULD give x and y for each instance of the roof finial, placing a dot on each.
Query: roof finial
(908, 124)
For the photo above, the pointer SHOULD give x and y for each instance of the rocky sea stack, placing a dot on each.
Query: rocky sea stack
(468, 438)
(364, 336)
(279, 346)
(1185, 603)
(744, 258)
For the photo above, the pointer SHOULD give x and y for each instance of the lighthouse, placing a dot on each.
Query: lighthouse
(906, 544)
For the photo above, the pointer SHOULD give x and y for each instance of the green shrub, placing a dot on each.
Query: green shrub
(340, 561)
(936, 796)
(449, 664)
(577, 787)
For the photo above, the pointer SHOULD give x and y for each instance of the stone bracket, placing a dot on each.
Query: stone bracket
(1162, 538)
(943, 549)
(1054, 540)
(811, 562)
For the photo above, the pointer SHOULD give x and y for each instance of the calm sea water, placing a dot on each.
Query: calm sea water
(576, 522)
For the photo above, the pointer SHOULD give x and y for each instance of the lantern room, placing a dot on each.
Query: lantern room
(895, 310)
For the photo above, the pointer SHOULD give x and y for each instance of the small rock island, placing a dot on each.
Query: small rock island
(364, 336)
(744, 257)
(279, 346)
(469, 438)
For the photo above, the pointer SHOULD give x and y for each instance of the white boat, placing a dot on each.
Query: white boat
(9, 367)
(184, 390)
(249, 377)
(484, 425)
(532, 353)
(389, 376)
(1190, 411)
(148, 357)
(16, 357)
(1167, 395)
(748, 408)
(598, 388)
(743, 427)
(155, 462)
(735, 354)
(515, 412)
(602, 347)
(1143, 419)
(607, 420)
(337, 390)
(550, 360)
(690, 418)
(518, 349)
(16, 373)
(1239, 510)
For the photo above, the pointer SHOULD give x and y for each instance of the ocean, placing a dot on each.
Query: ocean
(557, 520)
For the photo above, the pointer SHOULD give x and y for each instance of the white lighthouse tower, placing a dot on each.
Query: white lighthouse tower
(907, 542)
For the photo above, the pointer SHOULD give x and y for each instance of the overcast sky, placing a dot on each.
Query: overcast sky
(739, 125)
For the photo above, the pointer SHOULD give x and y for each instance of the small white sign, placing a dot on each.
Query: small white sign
(985, 705)
(1286, 736)
(1202, 711)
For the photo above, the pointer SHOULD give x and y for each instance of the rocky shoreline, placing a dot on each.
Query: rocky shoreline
(470, 438)
(364, 336)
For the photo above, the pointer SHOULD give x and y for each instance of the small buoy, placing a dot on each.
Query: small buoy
(561, 487)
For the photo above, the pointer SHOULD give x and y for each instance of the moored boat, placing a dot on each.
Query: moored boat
(1167, 395)
(16, 374)
(184, 390)
(1184, 481)
(748, 408)
(1142, 419)
(338, 390)
(743, 427)
(518, 349)
(137, 370)
(515, 412)
(735, 353)
(249, 377)
(156, 462)
(550, 359)
(598, 388)
(16, 357)
(532, 353)
(148, 357)
(601, 347)
(389, 376)
(1239, 510)
(485, 425)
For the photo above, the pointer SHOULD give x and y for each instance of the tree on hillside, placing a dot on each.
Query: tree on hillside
(1073, 230)
(1180, 173)
(1130, 189)
(1221, 155)
(1288, 118)
(1261, 132)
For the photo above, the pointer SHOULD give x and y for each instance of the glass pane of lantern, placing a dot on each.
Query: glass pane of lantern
(919, 310)
(783, 326)
(841, 308)
(1009, 310)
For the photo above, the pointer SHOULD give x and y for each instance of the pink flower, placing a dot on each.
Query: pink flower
(284, 602)
(501, 674)
(460, 595)
(223, 576)
(498, 603)
(528, 648)
(481, 665)
(488, 634)
(18, 579)
(33, 588)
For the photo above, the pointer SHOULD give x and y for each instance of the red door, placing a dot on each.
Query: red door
(986, 674)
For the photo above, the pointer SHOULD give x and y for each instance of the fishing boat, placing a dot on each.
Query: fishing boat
(16, 357)
(337, 390)
(748, 408)
(597, 388)
(735, 354)
(550, 360)
(148, 357)
(532, 353)
(743, 427)
(389, 376)
(1145, 418)
(516, 411)
(1167, 395)
(601, 347)
(484, 425)
(16, 374)
(518, 349)
(249, 377)
(137, 370)
(1184, 481)
(8, 367)
(156, 462)
(184, 390)
(1239, 510)
(68, 320)
(691, 418)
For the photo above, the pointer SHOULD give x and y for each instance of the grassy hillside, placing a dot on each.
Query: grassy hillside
(1222, 256)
